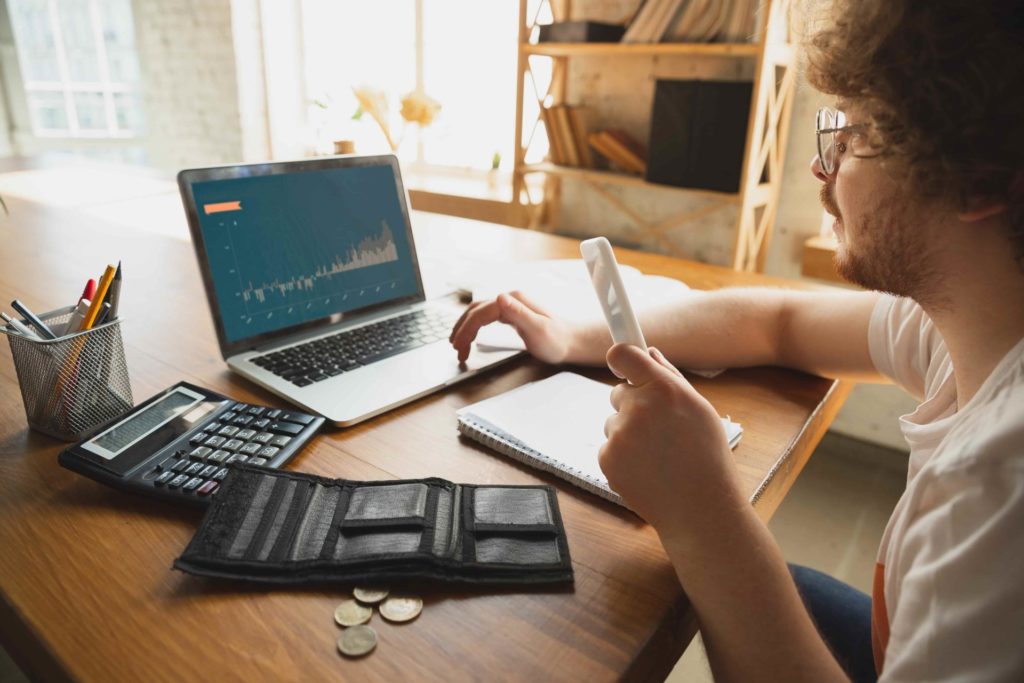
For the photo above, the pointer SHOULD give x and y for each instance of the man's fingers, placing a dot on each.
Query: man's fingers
(472, 320)
(618, 395)
(660, 357)
(518, 314)
(634, 364)
(530, 303)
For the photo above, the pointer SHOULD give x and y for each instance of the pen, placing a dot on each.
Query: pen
(77, 316)
(114, 295)
(90, 290)
(97, 302)
(104, 314)
(18, 327)
(44, 331)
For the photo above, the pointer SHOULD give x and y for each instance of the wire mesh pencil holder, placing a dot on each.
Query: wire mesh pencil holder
(74, 383)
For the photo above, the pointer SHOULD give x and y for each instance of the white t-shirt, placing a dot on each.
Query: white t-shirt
(948, 601)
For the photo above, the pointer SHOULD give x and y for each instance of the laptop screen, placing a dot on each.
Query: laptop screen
(301, 243)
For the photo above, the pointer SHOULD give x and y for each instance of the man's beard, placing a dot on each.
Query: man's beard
(890, 254)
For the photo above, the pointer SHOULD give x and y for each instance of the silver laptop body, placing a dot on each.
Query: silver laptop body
(322, 251)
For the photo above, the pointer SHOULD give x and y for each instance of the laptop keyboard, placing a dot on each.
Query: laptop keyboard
(325, 357)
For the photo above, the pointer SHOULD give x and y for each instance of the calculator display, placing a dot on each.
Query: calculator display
(113, 441)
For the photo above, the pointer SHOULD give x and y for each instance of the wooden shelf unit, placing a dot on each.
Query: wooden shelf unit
(764, 152)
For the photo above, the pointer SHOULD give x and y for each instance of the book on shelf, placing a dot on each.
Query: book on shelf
(571, 156)
(580, 32)
(555, 150)
(698, 133)
(578, 125)
(620, 149)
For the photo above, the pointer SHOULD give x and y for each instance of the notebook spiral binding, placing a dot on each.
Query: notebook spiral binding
(482, 432)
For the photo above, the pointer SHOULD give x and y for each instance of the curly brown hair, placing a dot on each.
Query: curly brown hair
(943, 84)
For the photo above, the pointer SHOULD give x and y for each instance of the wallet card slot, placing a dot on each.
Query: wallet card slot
(446, 520)
(311, 532)
(377, 543)
(251, 521)
(334, 531)
(294, 512)
(387, 505)
(511, 506)
(273, 520)
(517, 550)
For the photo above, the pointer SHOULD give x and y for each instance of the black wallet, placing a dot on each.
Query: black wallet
(290, 528)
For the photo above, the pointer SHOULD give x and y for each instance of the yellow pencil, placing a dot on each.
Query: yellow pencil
(97, 300)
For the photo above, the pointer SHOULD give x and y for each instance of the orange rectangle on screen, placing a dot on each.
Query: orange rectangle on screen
(222, 206)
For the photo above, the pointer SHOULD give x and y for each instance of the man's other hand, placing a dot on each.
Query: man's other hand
(666, 453)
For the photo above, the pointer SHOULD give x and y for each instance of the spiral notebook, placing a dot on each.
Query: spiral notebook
(556, 425)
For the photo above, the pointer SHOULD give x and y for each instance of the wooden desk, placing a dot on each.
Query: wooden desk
(85, 571)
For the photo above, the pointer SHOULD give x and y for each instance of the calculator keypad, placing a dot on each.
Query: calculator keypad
(245, 433)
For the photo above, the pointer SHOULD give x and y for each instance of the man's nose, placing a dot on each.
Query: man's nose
(817, 171)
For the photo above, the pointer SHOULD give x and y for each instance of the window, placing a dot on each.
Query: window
(460, 53)
(79, 67)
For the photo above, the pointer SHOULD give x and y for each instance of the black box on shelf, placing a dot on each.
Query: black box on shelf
(581, 32)
(698, 134)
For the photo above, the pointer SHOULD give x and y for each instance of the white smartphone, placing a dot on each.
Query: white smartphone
(611, 292)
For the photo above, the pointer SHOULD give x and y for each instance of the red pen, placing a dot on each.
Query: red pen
(90, 290)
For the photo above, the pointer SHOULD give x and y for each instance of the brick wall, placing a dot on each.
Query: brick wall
(189, 85)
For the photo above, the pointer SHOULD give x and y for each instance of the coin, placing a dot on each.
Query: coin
(356, 641)
(401, 608)
(370, 596)
(350, 613)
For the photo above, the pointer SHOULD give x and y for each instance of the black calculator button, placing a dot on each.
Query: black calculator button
(214, 441)
(245, 434)
(200, 453)
(298, 418)
(274, 413)
(263, 437)
(233, 445)
(242, 420)
(261, 423)
(218, 457)
(237, 458)
(212, 427)
(198, 438)
(207, 488)
(230, 430)
(250, 448)
(228, 416)
(194, 468)
(258, 461)
(268, 452)
(239, 407)
(179, 466)
(286, 428)
(257, 410)
(192, 484)
(208, 471)
(221, 473)
(177, 481)
(164, 478)
(280, 441)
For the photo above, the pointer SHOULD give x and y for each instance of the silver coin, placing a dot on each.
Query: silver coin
(370, 596)
(356, 641)
(401, 608)
(351, 613)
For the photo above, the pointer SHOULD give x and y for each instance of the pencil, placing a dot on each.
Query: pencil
(97, 301)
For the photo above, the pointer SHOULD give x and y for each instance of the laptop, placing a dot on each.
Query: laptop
(315, 289)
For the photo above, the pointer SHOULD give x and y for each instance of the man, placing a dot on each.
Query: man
(924, 173)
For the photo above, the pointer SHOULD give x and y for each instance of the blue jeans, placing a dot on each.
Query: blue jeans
(843, 617)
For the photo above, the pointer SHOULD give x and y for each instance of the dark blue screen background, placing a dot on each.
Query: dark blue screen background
(304, 245)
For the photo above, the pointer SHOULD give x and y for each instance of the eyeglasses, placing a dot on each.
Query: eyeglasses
(828, 123)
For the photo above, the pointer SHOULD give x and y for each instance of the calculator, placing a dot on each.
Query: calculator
(181, 443)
